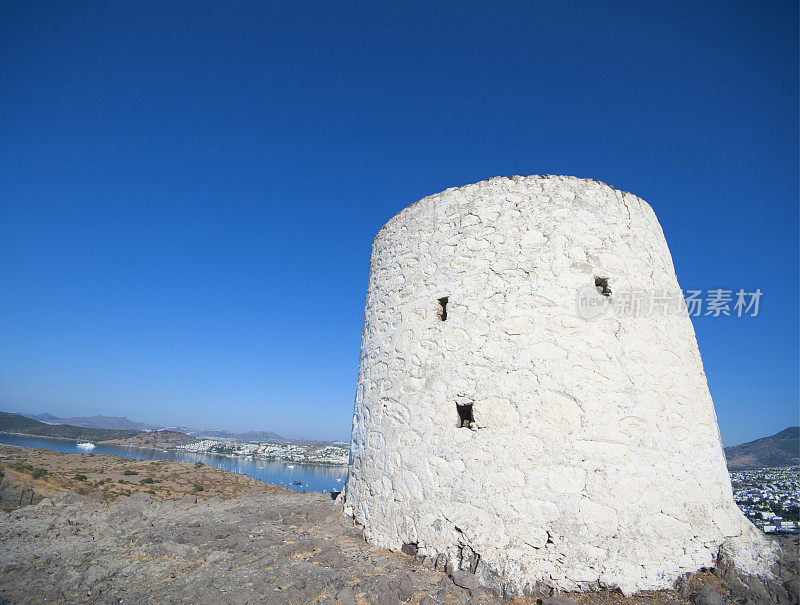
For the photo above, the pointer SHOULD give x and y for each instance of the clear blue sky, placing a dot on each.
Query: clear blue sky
(190, 190)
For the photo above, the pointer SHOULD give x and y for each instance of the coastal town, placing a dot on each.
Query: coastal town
(334, 453)
(769, 497)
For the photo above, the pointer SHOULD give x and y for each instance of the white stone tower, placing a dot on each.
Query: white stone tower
(499, 429)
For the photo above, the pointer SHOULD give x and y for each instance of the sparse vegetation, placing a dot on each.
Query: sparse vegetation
(14, 423)
(164, 480)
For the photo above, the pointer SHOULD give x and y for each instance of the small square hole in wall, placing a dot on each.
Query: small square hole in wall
(601, 283)
(465, 418)
(441, 312)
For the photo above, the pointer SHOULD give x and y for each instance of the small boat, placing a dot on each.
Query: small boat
(87, 446)
(297, 483)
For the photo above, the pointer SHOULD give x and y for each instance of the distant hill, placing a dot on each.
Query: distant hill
(248, 436)
(125, 424)
(96, 422)
(159, 439)
(42, 417)
(16, 423)
(781, 449)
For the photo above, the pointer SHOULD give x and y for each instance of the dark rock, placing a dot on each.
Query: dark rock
(380, 590)
(476, 593)
(446, 595)
(708, 595)
(346, 596)
(739, 593)
(96, 498)
(385, 598)
(756, 588)
(793, 589)
(791, 568)
(555, 601)
(683, 585)
(777, 592)
(465, 579)
(406, 590)
(219, 555)
(66, 498)
(409, 549)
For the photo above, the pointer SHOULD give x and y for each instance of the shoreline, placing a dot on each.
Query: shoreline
(172, 449)
(314, 479)
(245, 457)
(39, 436)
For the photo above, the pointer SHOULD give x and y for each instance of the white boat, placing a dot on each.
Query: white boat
(87, 446)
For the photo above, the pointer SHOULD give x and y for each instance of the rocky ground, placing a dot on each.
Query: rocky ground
(265, 544)
(27, 474)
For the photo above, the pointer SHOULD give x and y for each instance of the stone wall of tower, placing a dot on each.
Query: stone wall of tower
(593, 455)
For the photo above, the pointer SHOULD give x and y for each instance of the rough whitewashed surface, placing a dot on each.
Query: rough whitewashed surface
(595, 457)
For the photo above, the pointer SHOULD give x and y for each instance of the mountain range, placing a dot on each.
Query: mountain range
(96, 422)
(123, 423)
(16, 423)
(780, 449)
